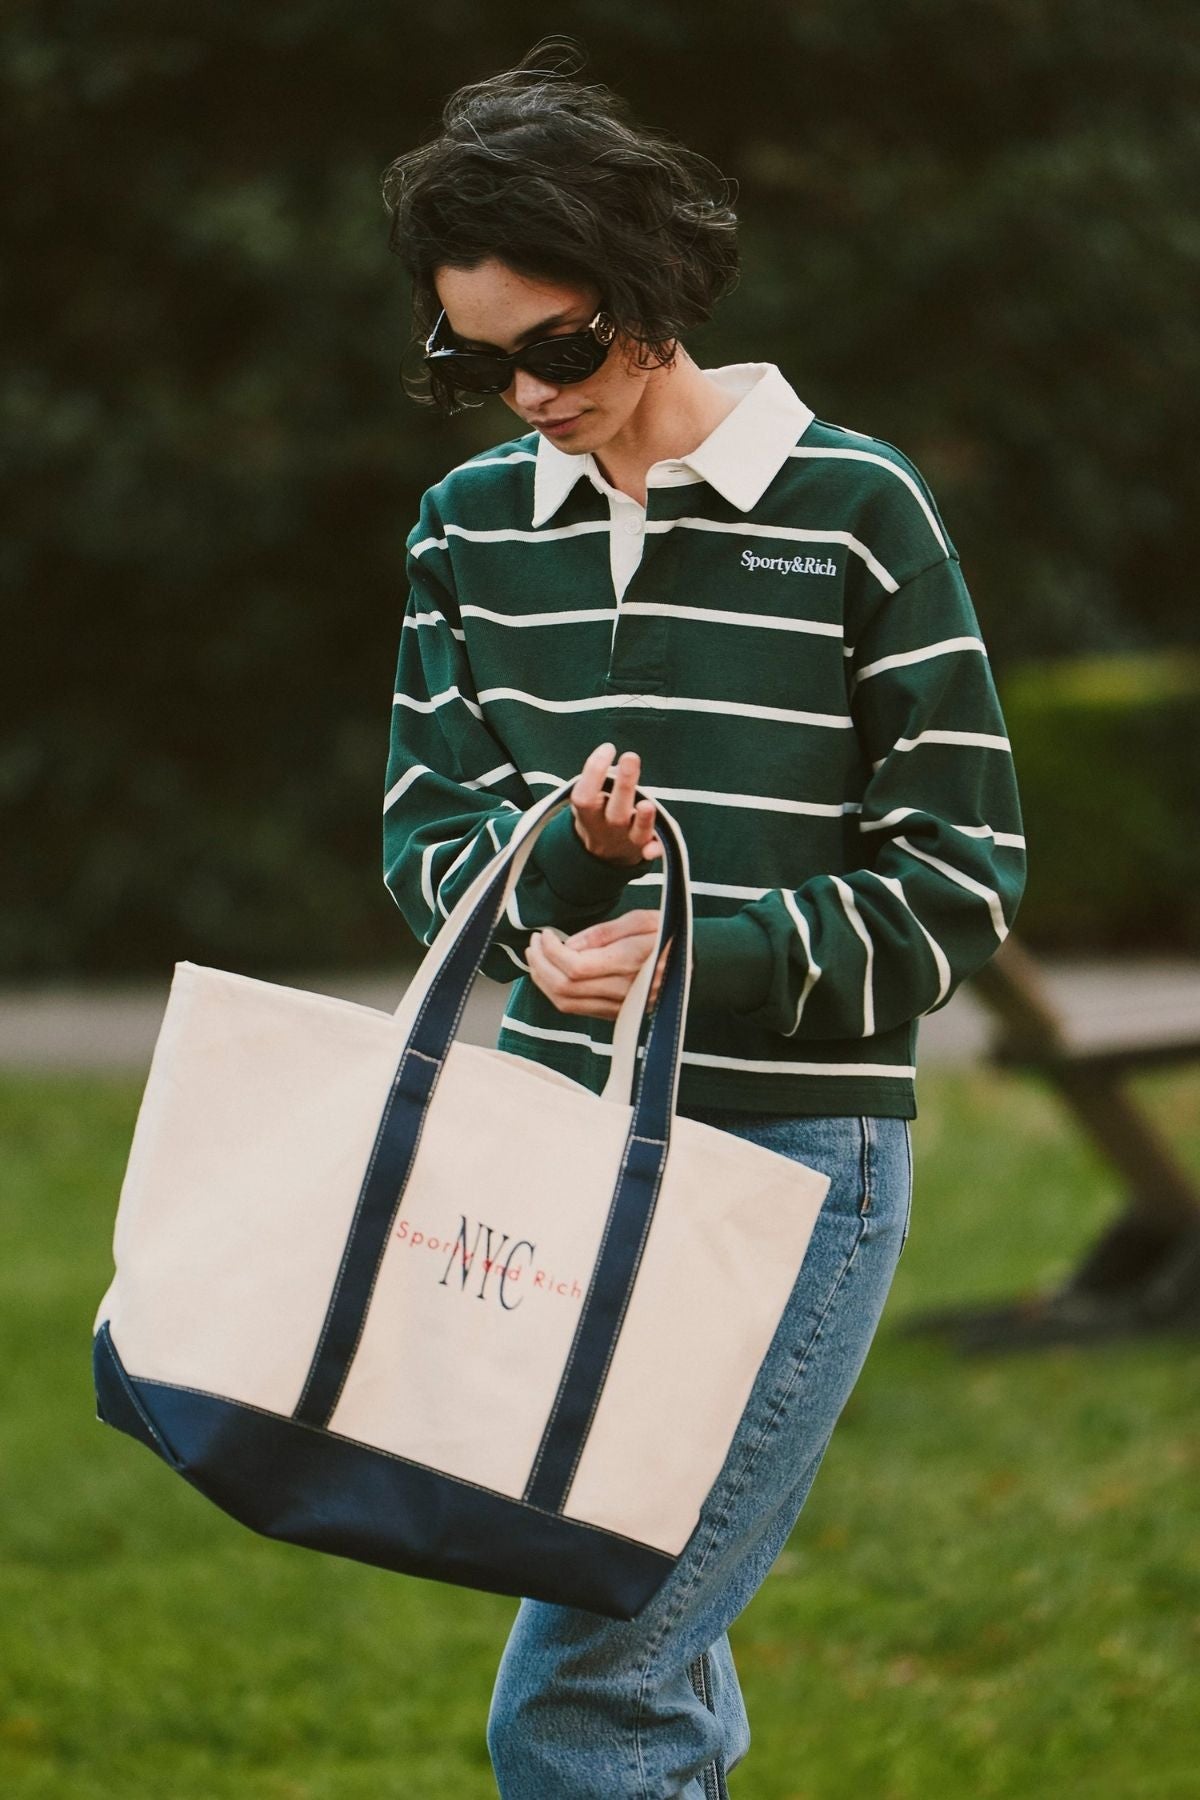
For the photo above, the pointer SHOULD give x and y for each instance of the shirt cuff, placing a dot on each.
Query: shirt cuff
(731, 965)
(569, 867)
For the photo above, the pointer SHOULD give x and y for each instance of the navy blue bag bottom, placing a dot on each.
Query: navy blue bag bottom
(310, 1486)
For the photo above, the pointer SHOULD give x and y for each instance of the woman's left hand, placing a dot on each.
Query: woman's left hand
(592, 972)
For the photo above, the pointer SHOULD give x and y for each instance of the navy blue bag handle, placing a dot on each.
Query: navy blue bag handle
(437, 1020)
(653, 1104)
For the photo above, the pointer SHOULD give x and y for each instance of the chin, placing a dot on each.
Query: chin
(590, 434)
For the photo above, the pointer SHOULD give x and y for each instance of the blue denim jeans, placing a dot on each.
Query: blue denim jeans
(590, 1708)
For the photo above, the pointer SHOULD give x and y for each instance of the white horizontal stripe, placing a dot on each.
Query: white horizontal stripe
(813, 974)
(741, 709)
(724, 528)
(478, 781)
(427, 856)
(722, 616)
(442, 699)
(494, 775)
(987, 740)
(900, 1071)
(1007, 840)
(513, 534)
(703, 614)
(510, 534)
(789, 533)
(543, 778)
(436, 618)
(405, 782)
(897, 813)
(893, 469)
(903, 657)
(846, 896)
(458, 860)
(509, 951)
(465, 854)
(709, 797)
(508, 1023)
(941, 960)
(726, 890)
(511, 911)
(964, 881)
(592, 703)
(426, 861)
(1010, 840)
(755, 802)
(520, 621)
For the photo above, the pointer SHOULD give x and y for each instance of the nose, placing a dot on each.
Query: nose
(529, 393)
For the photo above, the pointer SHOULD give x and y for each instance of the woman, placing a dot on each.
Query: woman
(764, 613)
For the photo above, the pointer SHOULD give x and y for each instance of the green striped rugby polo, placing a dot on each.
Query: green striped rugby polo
(791, 647)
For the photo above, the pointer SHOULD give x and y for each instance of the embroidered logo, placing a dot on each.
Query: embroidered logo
(790, 565)
(476, 1261)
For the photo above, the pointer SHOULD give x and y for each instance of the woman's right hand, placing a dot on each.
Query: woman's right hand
(609, 825)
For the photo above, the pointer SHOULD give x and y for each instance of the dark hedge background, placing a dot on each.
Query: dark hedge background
(971, 230)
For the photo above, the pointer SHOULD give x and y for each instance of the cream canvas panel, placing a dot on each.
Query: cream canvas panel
(482, 1284)
(257, 1123)
(725, 1245)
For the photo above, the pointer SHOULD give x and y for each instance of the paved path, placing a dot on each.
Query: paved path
(114, 1027)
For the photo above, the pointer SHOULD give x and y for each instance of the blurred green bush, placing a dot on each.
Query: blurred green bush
(1107, 751)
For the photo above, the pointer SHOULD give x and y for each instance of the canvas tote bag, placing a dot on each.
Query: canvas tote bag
(434, 1306)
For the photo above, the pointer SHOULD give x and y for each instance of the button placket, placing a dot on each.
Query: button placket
(626, 519)
(637, 652)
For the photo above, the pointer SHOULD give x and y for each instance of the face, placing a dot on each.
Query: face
(492, 305)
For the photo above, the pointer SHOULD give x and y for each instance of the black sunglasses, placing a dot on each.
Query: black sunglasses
(562, 360)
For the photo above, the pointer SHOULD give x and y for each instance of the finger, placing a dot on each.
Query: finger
(589, 784)
(569, 989)
(606, 931)
(621, 958)
(643, 832)
(538, 958)
(642, 823)
(572, 963)
(568, 982)
(619, 809)
(579, 995)
(547, 979)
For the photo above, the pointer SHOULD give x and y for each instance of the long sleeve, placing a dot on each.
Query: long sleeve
(453, 796)
(943, 857)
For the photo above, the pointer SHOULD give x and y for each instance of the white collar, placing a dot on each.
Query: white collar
(740, 458)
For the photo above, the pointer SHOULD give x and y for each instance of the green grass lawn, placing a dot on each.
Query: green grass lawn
(994, 1589)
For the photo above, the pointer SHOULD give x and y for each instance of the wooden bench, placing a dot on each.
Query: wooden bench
(1143, 1273)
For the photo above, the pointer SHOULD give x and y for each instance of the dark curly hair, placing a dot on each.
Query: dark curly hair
(554, 178)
